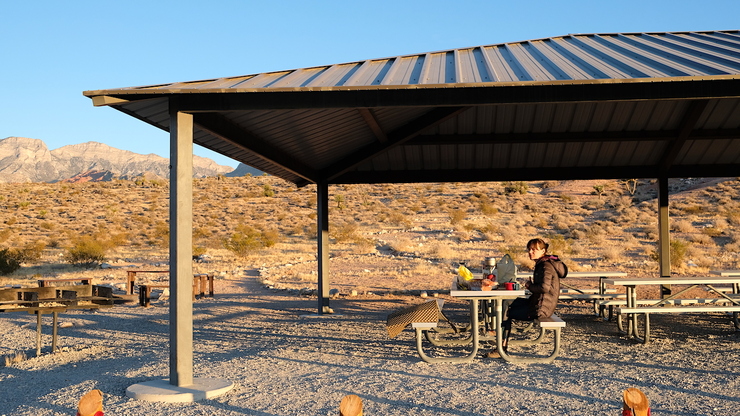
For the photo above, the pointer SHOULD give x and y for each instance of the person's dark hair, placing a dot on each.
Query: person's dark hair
(537, 243)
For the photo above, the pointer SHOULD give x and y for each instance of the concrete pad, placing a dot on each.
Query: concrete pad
(163, 391)
(326, 315)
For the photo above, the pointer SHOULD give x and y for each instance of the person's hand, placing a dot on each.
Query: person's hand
(527, 284)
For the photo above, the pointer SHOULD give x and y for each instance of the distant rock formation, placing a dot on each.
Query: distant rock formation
(243, 170)
(91, 176)
(29, 160)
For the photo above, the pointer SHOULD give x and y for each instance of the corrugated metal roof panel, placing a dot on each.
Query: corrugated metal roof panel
(497, 112)
(580, 57)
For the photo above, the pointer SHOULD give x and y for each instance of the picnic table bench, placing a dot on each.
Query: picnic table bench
(48, 281)
(622, 302)
(200, 283)
(635, 308)
(54, 300)
(647, 310)
(131, 278)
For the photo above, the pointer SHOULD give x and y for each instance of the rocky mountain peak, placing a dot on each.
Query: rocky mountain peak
(29, 160)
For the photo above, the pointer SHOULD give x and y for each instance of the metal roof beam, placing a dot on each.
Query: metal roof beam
(603, 136)
(691, 117)
(441, 94)
(227, 131)
(372, 122)
(395, 138)
(529, 174)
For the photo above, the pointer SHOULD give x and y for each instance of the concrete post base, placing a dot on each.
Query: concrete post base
(163, 391)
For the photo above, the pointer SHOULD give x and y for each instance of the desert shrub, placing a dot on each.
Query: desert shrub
(593, 204)
(561, 222)
(402, 244)
(30, 251)
(8, 261)
(456, 216)
(243, 241)
(612, 253)
(247, 239)
(86, 251)
(733, 217)
(515, 188)
(539, 222)
(720, 224)
(550, 184)
(344, 231)
(558, 244)
(489, 231)
(578, 234)
(701, 239)
(651, 232)
(269, 237)
(683, 226)
(693, 209)
(678, 250)
(398, 218)
(267, 190)
(599, 190)
(711, 231)
(443, 251)
(199, 251)
(565, 198)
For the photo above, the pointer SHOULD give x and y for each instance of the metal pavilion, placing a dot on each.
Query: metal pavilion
(580, 106)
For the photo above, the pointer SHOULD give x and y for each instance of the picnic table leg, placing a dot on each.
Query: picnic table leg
(130, 278)
(38, 333)
(54, 331)
(631, 318)
(475, 340)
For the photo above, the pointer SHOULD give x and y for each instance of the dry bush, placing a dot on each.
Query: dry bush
(683, 226)
(538, 221)
(86, 250)
(403, 245)
(720, 224)
(489, 231)
(398, 219)
(443, 251)
(613, 253)
(457, 216)
(651, 232)
(562, 222)
(558, 244)
(14, 358)
(701, 239)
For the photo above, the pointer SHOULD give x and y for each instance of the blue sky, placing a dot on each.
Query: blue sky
(52, 51)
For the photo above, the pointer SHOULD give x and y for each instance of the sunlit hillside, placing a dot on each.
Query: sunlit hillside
(381, 235)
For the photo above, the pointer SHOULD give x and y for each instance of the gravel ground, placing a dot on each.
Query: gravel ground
(284, 363)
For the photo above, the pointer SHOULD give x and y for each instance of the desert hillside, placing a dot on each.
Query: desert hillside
(382, 236)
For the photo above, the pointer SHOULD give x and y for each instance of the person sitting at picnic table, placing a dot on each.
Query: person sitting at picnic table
(544, 286)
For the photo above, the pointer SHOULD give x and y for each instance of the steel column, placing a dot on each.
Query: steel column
(664, 240)
(322, 238)
(181, 248)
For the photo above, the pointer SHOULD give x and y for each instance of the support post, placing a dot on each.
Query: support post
(181, 248)
(322, 204)
(664, 240)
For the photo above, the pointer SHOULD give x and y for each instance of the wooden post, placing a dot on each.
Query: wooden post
(322, 204)
(181, 247)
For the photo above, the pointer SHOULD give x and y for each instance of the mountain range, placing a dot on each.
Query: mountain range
(30, 160)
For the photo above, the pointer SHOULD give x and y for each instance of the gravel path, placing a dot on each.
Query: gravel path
(284, 363)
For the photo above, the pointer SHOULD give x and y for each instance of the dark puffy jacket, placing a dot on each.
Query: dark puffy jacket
(545, 286)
